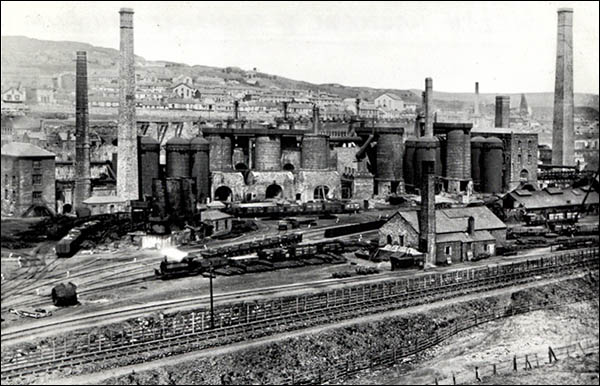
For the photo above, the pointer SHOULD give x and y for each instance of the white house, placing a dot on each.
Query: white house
(389, 101)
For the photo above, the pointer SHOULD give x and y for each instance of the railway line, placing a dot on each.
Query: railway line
(291, 313)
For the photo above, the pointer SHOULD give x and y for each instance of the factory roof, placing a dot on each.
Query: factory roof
(455, 219)
(212, 215)
(27, 150)
(550, 198)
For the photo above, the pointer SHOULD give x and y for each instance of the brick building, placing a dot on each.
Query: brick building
(28, 179)
(461, 233)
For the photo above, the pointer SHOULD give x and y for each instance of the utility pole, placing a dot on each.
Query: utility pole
(212, 314)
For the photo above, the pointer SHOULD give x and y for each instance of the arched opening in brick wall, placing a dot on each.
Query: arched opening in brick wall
(273, 191)
(288, 167)
(321, 192)
(223, 193)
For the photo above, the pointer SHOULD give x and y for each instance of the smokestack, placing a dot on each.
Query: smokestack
(428, 107)
(427, 213)
(236, 110)
(285, 110)
(127, 173)
(316, 119)
(562, 128)
(357, 102)
(502, 111)
(82, 133)
(476, 106)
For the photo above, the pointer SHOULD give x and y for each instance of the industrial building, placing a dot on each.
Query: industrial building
(28, 180)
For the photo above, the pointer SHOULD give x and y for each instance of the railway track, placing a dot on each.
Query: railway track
(290, 315)
(194, 301)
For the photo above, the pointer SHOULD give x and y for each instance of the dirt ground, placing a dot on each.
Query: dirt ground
(496, 341)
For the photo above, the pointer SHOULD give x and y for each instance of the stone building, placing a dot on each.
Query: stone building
(28, 179)
(520, 156)
(461, 233)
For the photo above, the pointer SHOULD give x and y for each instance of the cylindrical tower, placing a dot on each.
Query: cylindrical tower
(315, 151)
(149, 164)
(426, 149)
(188, 201)
(199, 148)
(491, 169)
(455, 154)
(476, 151)
(467, 155)
(268, 153)
(127, 167)
(409, 161)
(220, 152)
(178, 157)
(390, 156)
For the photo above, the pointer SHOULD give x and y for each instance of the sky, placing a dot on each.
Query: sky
(507, 47)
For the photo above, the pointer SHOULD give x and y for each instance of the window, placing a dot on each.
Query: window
(401, 240)
(6, 194)
(448, 250)
(37, 179)
(37, 197)
(14, 180)
(37, 165)
(529, 159)
(519, 159)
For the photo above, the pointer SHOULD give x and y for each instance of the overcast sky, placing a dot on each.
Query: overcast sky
(507, 47)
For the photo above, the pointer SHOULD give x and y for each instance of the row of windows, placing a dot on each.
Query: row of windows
(488, 249)
(36, 179)
(36, 197)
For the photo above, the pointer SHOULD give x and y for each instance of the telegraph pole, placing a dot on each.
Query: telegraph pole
(212, 314)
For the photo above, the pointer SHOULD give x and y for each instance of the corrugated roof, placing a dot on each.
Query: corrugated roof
(20, 149)
(545, 199)
(455, 219)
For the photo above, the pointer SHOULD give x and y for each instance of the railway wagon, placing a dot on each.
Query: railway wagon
(71, 243)
(270, 209)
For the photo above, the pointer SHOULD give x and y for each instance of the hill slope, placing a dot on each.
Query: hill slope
(33, 62)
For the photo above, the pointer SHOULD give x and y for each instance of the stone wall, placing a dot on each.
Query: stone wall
(258, 182)
(395, 228)
(232, 180)
(308, 180)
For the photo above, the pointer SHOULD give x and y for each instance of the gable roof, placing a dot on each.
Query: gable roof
(25, 150)
(391, 95)
(455, 219)
(552, 198)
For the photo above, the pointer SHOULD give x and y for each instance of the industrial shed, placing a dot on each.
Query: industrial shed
(551, 203)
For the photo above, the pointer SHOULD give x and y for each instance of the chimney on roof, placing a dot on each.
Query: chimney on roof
(236, 110)
(471, 225)
(357, 102)
(285, 110)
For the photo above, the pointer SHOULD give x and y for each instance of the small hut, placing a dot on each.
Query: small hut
(64, 295)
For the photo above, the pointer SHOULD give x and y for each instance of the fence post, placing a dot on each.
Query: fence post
(515, 363)
(551, 355)
(436, 381)
(537, 361)
(527, 363)
(477, 374)
(494, 368)
(453, 379)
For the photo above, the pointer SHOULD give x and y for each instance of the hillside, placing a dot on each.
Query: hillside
(33, 62)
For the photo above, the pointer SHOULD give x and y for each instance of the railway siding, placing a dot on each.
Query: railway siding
(189, 332)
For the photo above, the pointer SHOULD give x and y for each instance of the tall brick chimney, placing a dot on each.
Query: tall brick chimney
(562, 128)
(127, 165)
(476, 105)
(236, 110)
(83, 187)
(427, 213)
(502, 111)
(357, 102)
(428, 108)
(316, 119)
(285, 110)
